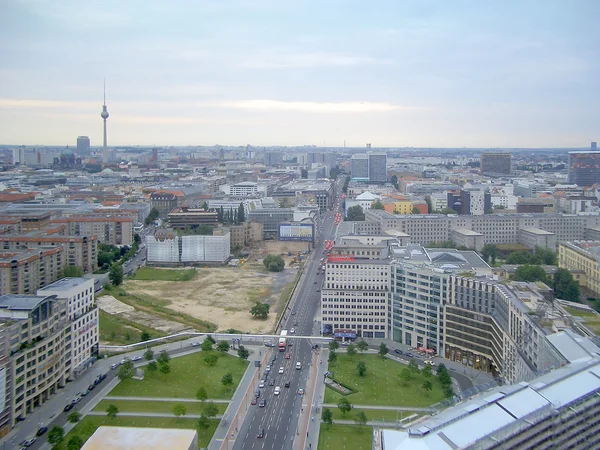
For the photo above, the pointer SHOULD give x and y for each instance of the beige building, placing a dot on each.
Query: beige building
(36, 330)
(582, 256)
(25, 271)
(131, 438)
(245, 234)
(109, 229)
(467, 238)
(534, 237)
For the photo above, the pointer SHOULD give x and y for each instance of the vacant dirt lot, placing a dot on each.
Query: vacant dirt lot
(222, 295)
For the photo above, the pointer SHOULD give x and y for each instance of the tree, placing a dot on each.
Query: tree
(74, 417)
(284, 203)
(72, 271)
(152, 216)
(115, 274)
(448, 391)
(351, 350)
(227, 380)
(201, 394)
(565, 287)
(204, 230)
(327, 416)
(241, 215)
(210, 409)
(211, 359)
(145, 336)
(274, 263)
(260, 310)
(334, 345)
(206, 346)
(56, 435)
(164, 368)
(521, 257)
(355, 214)
(546, 256)
(362, 345)
(377, 205)
(332, 357)
(152, 366)
(413, 367)
(75, 443)
(163, 357)
(148, 354)
(126, 370)
(344, 405)
(137, 240)
(489, 251)
(203, 422)
(361, 369)
(112, 411)
(223, 346)
(427, 371)
(383, 350)
(427, 385)
(528, 272)
(405, 376)
(394, 181)
(179, 410)
(361, 418)
(211, 339)
(243, 352)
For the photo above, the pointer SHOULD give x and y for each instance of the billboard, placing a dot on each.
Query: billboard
(302, 232)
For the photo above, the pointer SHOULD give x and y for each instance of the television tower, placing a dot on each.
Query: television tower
(104, 113)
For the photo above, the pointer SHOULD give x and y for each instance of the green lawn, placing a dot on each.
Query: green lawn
(381, 385)
(116, 330)
(188, 373)
(89, 424)
(345, 437)
(591, 319)
(150, 274)
(154, 407)
(386, 415)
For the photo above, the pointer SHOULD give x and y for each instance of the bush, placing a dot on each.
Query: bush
(274, 263)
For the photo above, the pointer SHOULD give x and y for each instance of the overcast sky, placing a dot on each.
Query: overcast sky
(290, 72)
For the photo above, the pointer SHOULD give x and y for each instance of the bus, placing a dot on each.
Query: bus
(282, 343)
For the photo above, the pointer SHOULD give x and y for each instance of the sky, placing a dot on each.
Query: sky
(395, 73)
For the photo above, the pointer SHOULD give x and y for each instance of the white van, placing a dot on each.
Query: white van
(298, 365)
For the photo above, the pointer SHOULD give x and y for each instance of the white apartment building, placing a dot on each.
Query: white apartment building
(242, 189)
(439, 201)
(83, 314)
(167, 247)
(355, 296)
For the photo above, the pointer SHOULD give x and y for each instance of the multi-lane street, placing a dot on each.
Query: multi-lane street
(279, 417)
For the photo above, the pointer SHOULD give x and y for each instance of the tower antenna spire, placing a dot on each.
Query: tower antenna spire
(104, 91)
(104, 114)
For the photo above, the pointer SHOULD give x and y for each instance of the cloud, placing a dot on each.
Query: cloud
(282, 60)
(316, 107)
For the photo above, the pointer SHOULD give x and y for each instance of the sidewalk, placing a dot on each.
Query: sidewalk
(388, 408)
(165, 399)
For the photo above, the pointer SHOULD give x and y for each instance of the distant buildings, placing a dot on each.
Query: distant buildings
(370, 167)
(24, 271)
(582, 256)
(270, 219)
(584, 168)
(273, 158)
(83, 146)
(181, 218)
(496, 163)
(359, 166)
(166, 247)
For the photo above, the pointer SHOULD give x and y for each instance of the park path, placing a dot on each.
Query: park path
(148, 414)
(389, 408)
(163, 399)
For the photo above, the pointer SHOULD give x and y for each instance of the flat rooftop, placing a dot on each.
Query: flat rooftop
(66, 283)
(130, 438)
(20, 302)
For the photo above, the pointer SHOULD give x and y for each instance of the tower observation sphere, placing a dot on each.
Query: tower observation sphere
(104, 113)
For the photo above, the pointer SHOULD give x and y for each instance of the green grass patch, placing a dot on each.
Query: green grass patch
(132, 406)
(150, 274)
(386, 415)
(188, 373)
(90, 424)
(159, 308)
(590, 319)
(345, 437)
(381, 385)
(117, 330)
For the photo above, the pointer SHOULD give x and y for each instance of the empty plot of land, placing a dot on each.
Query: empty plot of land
(111, 305)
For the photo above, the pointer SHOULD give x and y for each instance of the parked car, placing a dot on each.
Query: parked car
(410, 355)
(68, 408)
(41, 431)
(123, 361)
(257, 394)
(91, 387)
(77, 399)
(195, 344)
(84, 393)
(29, 442)
(254, 401)
(261, 384)
(136, 358)
(114, 366)
(397, 350)
(430, 363)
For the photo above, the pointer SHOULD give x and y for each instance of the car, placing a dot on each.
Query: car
(136, 358)
(318, 290)
(315, 282)
(254, 401)
(290, 344)
(68, 408)
(262, 403)
(293, 313)
(298, 365)
(268, 366)
(29, 442)
(257, 394)
(123, 361)
(41, 431)
(195, 344)
(114, 366)
(91, 387)
(271, 382)
(261, 384)
(269, 344)
(287, 384)
(288, 356)
(397, 350)
(86, 392)
(77, 399)
(409, 354)
(430, 363)
(261, 433)
(315, 346)
(300, 391)
(267, 372)
(292, 330)
(280, 370)
(277, 390)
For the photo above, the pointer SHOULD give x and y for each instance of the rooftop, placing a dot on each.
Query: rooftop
(21, 302)
(66, 283)
(130, 438)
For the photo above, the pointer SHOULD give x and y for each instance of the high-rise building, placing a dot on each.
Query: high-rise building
(594, 146)
(83, 145)
(496, 163)
(584, 168)
(359, 168)
(377, 167)
(273, 158)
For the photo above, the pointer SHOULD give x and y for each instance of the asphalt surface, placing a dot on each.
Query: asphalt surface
(279, 418)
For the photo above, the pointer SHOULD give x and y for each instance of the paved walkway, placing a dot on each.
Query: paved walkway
(165, 399)
(387, 408)
(149, 414)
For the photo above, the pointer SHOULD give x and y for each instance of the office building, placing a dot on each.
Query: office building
(377, 167)
(496, 164)
(582, 256)
(355, 296)
(470, 202)
(584, 168)
(181, 218)
(594, 146)
(359, 167)
(307, 192)
(78, 294)
(24, 271)
(165, 247)
(36, 333)
(558, 410)
(273, 159)
(83, 146)
(270, 219)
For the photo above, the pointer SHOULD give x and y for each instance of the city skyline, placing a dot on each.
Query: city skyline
(267, 73)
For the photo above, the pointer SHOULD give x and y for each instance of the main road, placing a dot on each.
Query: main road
(279, 417)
